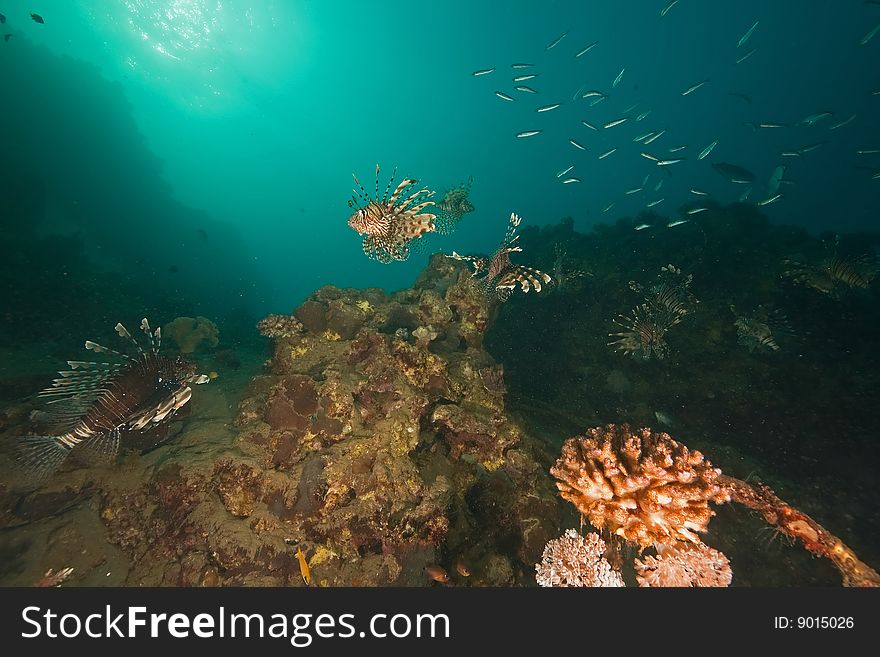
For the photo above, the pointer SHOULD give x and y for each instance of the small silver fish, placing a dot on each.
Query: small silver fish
(523, 78)
(642, 226)
(606, 154)
(745, 37)
(635, 190)
(658, 185)
(547, 108)
(663, 418)
(615, 122)
(484, 71)
(608, 207)
(745, 195)
(790, 154)
(529, 133)
(654, 137)
(693, 87)
(587, 49)
(577, 145)
(571, 180)
(630, 108)
(707, 150)
(648, 156)
(591, 93)
(665, 163)
(644, 136)
(868, 151)
(677, 222)
(698, 209)
(843, 123)
(811, 147)
(564, 171)
(653, 203)
(618, 78)
(521, 65)
(676, 149)
(666, 9)
(768, 124)
(589, 125)
(598, 100)
(870, 35)
(772, 199)
(699, 192)
(556, 42)
(746, 56)
(815, 118)
(503, 96)
(643, 115)
(526, 89)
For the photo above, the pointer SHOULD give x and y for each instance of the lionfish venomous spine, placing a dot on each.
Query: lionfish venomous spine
(390, 224)
(498, 274)
(93, 405)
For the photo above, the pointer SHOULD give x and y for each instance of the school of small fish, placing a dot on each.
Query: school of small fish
(616, 85)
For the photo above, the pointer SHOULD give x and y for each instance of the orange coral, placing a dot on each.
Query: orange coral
(684, 564)
(643, 486)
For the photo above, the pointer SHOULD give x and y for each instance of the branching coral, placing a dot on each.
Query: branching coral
(575, 560)
(643, 486)
(684, 565)
(650, 489)
(190, 333)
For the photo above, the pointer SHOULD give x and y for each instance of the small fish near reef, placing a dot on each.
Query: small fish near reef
(437, 573)
(304, 571)
(388, 225)
(94, 406)
(37, 18)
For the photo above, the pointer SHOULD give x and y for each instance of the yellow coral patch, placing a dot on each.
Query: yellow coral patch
(321, 555)
(493, 464)
(300, 350)
(332, 336)
(364, 306)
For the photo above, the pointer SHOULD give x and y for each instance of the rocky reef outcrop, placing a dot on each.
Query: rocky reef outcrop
(376, 440)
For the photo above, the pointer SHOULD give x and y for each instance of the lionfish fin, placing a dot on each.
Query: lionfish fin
(362, 195)
(415, 226)
(100, 349)
(406, 182)
(102, 446)
(123, 333)
(40, 456)
(145, 327)
(388, 186)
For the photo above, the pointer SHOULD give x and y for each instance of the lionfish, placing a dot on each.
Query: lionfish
(498, 275)
(667, 301)
(762, 329)
(454, 205)
(834, 272)
(390, 224)
(565, 277)
(94, 405)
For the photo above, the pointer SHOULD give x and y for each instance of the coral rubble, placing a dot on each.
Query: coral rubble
(575, 560)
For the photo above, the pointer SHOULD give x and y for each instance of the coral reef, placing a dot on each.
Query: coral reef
(640, 485)
(684, 565)
(191, 333)
(575, 560)
(363, 455)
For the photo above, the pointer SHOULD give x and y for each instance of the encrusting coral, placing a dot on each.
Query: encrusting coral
(189, 333)
(575, 560)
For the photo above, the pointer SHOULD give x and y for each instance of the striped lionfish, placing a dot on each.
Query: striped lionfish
(454, 205)
(667, 301)
(94, 405)
(763, 329)
(498, 275)
(834, 273)
(390, 224)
